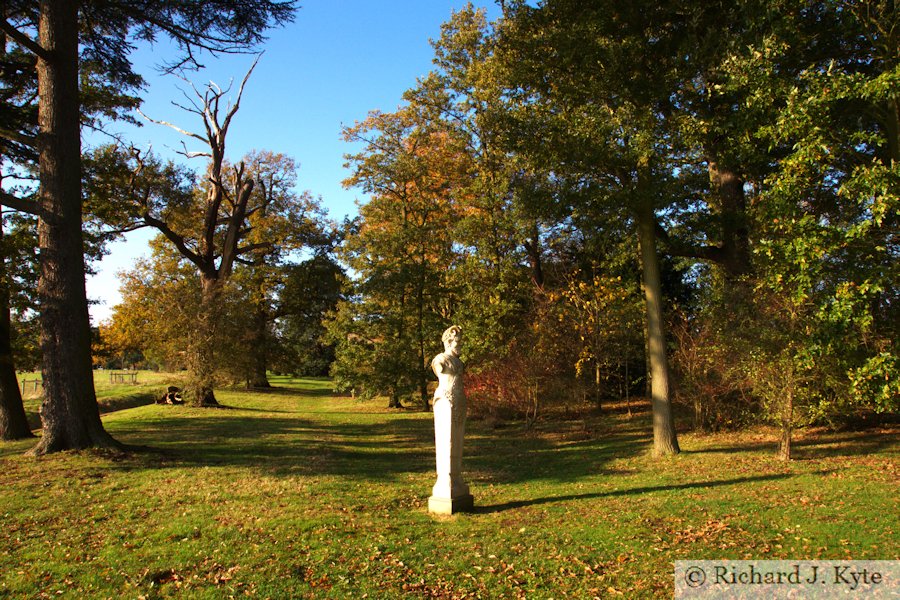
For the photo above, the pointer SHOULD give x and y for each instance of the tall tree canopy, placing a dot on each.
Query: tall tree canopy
(737, 162)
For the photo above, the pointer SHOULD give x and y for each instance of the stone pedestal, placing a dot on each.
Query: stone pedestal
(450, 493)
(449, 506)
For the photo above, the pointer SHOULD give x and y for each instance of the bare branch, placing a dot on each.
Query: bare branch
(175, 127)
(176, 239)
(192, 153)
(237, 102)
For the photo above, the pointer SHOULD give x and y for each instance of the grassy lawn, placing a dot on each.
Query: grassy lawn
(297, 494)
(111, 396)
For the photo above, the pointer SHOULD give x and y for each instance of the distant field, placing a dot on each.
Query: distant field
(295, 493)
(110, 396)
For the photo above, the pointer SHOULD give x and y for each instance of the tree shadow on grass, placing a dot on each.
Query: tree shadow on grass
(371, 446)
(494, 508)
(818, 445)
(278, 445)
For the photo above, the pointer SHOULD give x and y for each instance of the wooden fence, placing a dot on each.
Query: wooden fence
(32, 387)
(127, 377)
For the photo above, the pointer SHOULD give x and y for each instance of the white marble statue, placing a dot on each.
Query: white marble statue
(450, 494)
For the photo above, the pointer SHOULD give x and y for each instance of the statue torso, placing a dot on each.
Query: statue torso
(449, 370)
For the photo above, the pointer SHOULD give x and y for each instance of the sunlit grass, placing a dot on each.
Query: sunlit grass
(295, 493)
(111, 395)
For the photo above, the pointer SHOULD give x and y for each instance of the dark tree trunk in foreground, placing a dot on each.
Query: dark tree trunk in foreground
(70, 415)
(665, 441)
(13, 421)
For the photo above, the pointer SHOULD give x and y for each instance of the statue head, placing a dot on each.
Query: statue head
(451, 338)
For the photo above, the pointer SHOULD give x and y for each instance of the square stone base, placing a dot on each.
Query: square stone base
(449, 506)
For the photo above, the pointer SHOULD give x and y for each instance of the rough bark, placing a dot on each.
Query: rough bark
(665, 441)
(70, 415)
(728, 190)
(202, 360)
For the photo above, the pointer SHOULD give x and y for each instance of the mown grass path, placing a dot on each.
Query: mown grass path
(296, 494)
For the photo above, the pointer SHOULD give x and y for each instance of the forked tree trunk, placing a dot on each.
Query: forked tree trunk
(665, 441)
(70, 414)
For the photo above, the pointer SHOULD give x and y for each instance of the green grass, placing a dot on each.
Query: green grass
(297, 494)
(111, 397)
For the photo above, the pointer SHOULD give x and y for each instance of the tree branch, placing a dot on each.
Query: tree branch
(176, 239)
(684, 250)
(27, 206)
(175, 127)
(268, 246)
(25, 140)
(24, 41)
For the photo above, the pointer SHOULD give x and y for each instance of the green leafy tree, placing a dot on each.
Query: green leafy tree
(285, 223)
(830, 211)
(16, 250)
(495, 232)
(159, 302)
(604, 131)
(310, 291)
(400, 252)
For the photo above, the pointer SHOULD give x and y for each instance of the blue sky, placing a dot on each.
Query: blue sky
(339, 60)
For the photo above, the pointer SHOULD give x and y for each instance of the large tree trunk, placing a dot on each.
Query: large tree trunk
(203, 340)
(69, 413)
(665, 441)
(728, 189)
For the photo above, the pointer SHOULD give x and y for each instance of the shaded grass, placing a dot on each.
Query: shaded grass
(293, 493)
